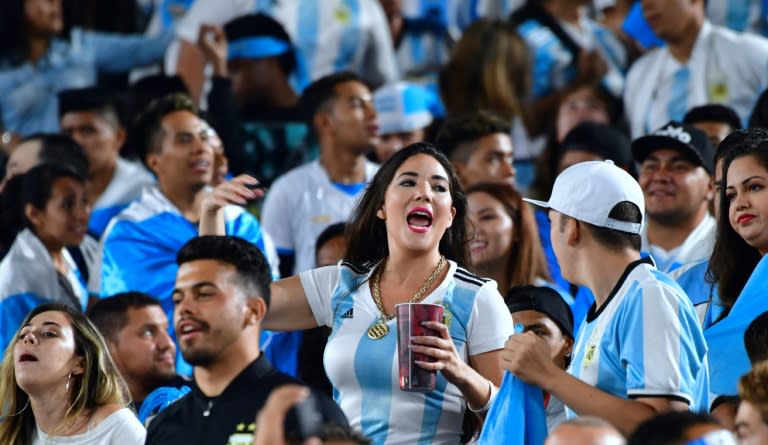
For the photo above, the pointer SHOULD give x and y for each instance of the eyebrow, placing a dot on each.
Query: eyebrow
(416, 175)
(45, 323)
(536, 326)
(197, 285)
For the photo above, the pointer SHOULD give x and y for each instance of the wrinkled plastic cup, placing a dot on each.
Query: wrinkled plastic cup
(409, 324)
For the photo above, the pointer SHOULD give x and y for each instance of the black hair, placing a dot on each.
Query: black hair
(759, 116)
(330, 232)
(616, 239)
(91, 99)
(457, 133)
(60, 149)
(252, 271)
(669, 428)
(110, 316)
(148, 131)
(333, 433)
(740, 140)
(756, 339)
(14, 44)
(733, 259)
(255, 25)
(319, 93)
(713, 113)
(367, 233)
(33, 187)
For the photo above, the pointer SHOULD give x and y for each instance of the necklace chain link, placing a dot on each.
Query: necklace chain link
(416, 297)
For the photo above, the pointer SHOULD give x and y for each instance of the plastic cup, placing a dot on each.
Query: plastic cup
(409, 324)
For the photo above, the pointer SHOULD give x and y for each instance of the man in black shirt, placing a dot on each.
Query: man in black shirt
(220, 299)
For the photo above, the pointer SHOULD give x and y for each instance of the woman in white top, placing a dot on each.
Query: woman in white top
(59, 385)
(406, 242)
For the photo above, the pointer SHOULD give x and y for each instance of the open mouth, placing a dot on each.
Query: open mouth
(201, 165)
(476, 245)
(27, 358)
(419, 219)
(188, 329)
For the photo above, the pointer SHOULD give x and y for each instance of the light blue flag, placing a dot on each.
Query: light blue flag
(516, 416)
(728, 359)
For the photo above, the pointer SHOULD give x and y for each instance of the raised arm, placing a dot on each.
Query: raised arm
(289, 309)
(237, 191)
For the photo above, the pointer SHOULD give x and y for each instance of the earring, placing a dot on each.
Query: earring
(68, 380)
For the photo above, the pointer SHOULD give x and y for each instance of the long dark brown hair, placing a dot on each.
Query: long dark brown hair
(367, 233)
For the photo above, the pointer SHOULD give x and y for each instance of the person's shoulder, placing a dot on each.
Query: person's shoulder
(645, 62)
(466, 278)
(173, 412)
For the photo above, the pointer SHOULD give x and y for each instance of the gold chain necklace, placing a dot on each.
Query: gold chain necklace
(380, 329)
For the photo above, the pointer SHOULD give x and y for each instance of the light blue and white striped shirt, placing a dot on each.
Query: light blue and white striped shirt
(126, 185)
(645, 341)
(364, 372)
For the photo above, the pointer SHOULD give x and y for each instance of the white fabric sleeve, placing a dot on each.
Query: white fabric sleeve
(319, 284)
(217, 12)
(491, 323)
(277, 214)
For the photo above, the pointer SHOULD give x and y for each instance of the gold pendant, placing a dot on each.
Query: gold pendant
(378, 331)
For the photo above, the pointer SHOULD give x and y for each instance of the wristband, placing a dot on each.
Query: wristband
(491, 396)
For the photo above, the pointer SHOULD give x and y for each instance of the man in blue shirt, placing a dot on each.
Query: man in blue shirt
(640, 351)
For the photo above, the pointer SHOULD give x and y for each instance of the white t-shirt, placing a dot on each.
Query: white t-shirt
(119, 428)
(364, 372)
(300, 205)
(725, 67)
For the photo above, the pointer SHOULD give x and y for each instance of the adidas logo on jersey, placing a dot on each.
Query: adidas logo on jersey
(349, 314)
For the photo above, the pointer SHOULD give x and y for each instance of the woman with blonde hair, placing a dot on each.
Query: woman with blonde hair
(59, 384)
(490, 70)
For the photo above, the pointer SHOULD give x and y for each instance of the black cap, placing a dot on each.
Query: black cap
(85, 99)
(542, 299)
(602, 140)
(692, 142)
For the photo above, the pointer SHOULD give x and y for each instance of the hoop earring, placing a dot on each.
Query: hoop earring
(66, 387)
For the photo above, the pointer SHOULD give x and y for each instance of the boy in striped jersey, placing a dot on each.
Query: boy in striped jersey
(640, 351)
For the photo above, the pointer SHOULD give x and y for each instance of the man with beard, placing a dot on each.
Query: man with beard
(677, 163)
(220, 299)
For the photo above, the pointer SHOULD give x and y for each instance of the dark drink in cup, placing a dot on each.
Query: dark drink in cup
(409, 324)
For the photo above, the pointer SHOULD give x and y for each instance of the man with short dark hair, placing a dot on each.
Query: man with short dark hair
(640, 351)
(220, 299)
(716, 120)
(756, 339)
(136, 330)
(90, 117)
(301, 203)
(480, 148)
(140, 243)
(676, 167)
(681, 428)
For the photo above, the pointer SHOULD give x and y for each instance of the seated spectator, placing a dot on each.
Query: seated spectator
(715, 120)
(738, 266)
(499, 81)
(60, 384)
(677, 164)
(405, 112)
(752, 416)
(221, 296)
(140, 244)
(267, 127)
(90, 117)
(585, 430)
(479, 148)
(505, 246)
(302, 202)
(135, 328)
(541, 310)
(756, 339)
(37, 61)
(681, 428)
(44, 148)
(47, 208)
(666, 82)
(597, 215)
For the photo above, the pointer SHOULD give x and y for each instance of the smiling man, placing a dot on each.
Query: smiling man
(140, 244)
(677, 163)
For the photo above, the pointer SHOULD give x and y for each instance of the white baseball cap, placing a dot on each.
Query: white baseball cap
(588, 191)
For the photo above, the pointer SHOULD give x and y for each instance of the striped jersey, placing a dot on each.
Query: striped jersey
(364, 372)
(645, 341)
(696, 247)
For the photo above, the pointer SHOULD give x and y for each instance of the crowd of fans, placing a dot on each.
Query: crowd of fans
(211, 208)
